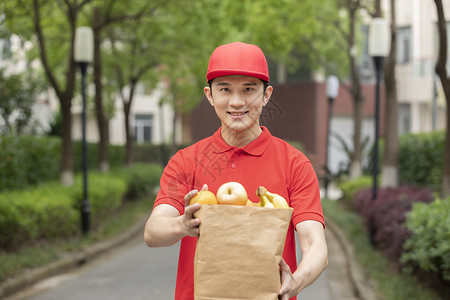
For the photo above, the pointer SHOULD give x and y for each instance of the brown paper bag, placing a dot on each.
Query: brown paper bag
(238, 252)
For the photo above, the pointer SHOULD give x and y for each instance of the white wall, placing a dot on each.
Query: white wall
(343, 126)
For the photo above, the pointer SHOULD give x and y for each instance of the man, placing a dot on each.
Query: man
(241, 150)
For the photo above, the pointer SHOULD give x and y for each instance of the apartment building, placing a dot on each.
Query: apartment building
(420, 95)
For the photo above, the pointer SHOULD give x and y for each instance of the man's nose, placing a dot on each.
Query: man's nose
(236, 100)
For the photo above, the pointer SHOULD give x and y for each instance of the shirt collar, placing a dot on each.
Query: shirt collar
(255, 148)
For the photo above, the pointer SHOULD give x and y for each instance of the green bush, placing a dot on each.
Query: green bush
(105, 193)
(421, 157)
(116, 156)
(50, 211)
(142, 180)
(350, 187)
(428, 247)
(28, 160)
(43, 212)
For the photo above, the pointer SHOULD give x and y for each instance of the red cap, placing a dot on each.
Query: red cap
(238, 59)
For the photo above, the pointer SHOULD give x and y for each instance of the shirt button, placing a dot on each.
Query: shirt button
(233, 166)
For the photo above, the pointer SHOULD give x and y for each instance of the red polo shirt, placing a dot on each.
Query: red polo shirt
(267, 161)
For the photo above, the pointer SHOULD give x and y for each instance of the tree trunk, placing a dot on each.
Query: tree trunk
(66, 174)
(129, 157)
(102, 121)
(390, 160)
(64, 96)
(358, 100)
(443, 76)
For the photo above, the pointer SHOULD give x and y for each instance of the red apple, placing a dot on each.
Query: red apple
(232, 193)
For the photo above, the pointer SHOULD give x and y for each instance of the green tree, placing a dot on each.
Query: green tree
(51, 26)
(102, 15)
(17, 95)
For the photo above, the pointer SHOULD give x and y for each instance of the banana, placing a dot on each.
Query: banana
(263, 199)
(264, 202)
(276, 200)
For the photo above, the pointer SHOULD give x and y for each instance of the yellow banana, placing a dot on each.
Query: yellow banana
(263, 200)
(277, 200)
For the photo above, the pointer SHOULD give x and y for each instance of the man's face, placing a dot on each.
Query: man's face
(238, 101)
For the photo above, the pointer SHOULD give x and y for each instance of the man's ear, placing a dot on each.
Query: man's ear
(267, 95)
(208, 95)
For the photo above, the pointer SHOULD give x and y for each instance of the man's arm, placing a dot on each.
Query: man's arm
(166, 226)
(314, 259)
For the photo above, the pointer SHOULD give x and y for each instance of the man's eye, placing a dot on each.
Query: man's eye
(248, 89)
(224, 89)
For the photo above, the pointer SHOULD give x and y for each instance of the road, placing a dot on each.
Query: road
(137, 272)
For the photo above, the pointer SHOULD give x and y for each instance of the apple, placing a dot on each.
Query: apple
(232, 193)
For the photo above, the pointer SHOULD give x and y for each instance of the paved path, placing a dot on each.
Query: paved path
(137, 272)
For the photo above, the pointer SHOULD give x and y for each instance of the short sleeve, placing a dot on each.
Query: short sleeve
(305, 194)
(173, 184)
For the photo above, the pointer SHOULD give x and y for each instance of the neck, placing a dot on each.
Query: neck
(240, 139)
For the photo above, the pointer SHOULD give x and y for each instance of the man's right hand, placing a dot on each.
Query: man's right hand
(188, 222)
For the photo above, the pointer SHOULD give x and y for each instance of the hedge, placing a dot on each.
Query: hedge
(421, 159)
(30, 160)
(51, 211)
(388, 214)
(428, 246)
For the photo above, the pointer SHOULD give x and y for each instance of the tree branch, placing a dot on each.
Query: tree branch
(42, 49)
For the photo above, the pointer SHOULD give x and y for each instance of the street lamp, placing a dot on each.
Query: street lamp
(379, 44)
(83, 55)
(332, 89)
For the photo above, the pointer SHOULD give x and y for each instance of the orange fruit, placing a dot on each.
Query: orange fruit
(204, 197)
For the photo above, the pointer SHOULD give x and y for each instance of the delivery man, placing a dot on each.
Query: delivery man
(240, 150)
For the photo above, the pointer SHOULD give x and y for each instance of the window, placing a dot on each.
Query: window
(143, 125)
(404, 45)
(404, 118)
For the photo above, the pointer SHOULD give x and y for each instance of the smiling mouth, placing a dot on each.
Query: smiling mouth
(237, 114)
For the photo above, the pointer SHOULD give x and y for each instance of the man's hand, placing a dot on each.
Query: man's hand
(289, 286)
(188, 222)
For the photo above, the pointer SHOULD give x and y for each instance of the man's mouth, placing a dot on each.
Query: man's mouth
(237, 114)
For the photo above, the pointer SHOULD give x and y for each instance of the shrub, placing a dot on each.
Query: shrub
(43, 212)
(350, 187)
(105, 193)
(141, 180)
(50, 211)
(428, 246)
(388, 214)
(116, 156)
(28, 160)
(421, 157)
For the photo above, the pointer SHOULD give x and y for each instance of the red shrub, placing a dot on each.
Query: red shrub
(388, 213)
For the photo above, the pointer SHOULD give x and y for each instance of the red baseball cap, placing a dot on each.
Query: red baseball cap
(238, 59)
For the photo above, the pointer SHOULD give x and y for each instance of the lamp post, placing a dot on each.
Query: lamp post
(332, 89)
(83, 55)
(378, 49)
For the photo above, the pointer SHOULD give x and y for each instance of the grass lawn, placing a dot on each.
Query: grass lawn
(391, 285)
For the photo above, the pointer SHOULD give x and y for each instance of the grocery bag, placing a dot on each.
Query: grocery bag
(238, 252)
